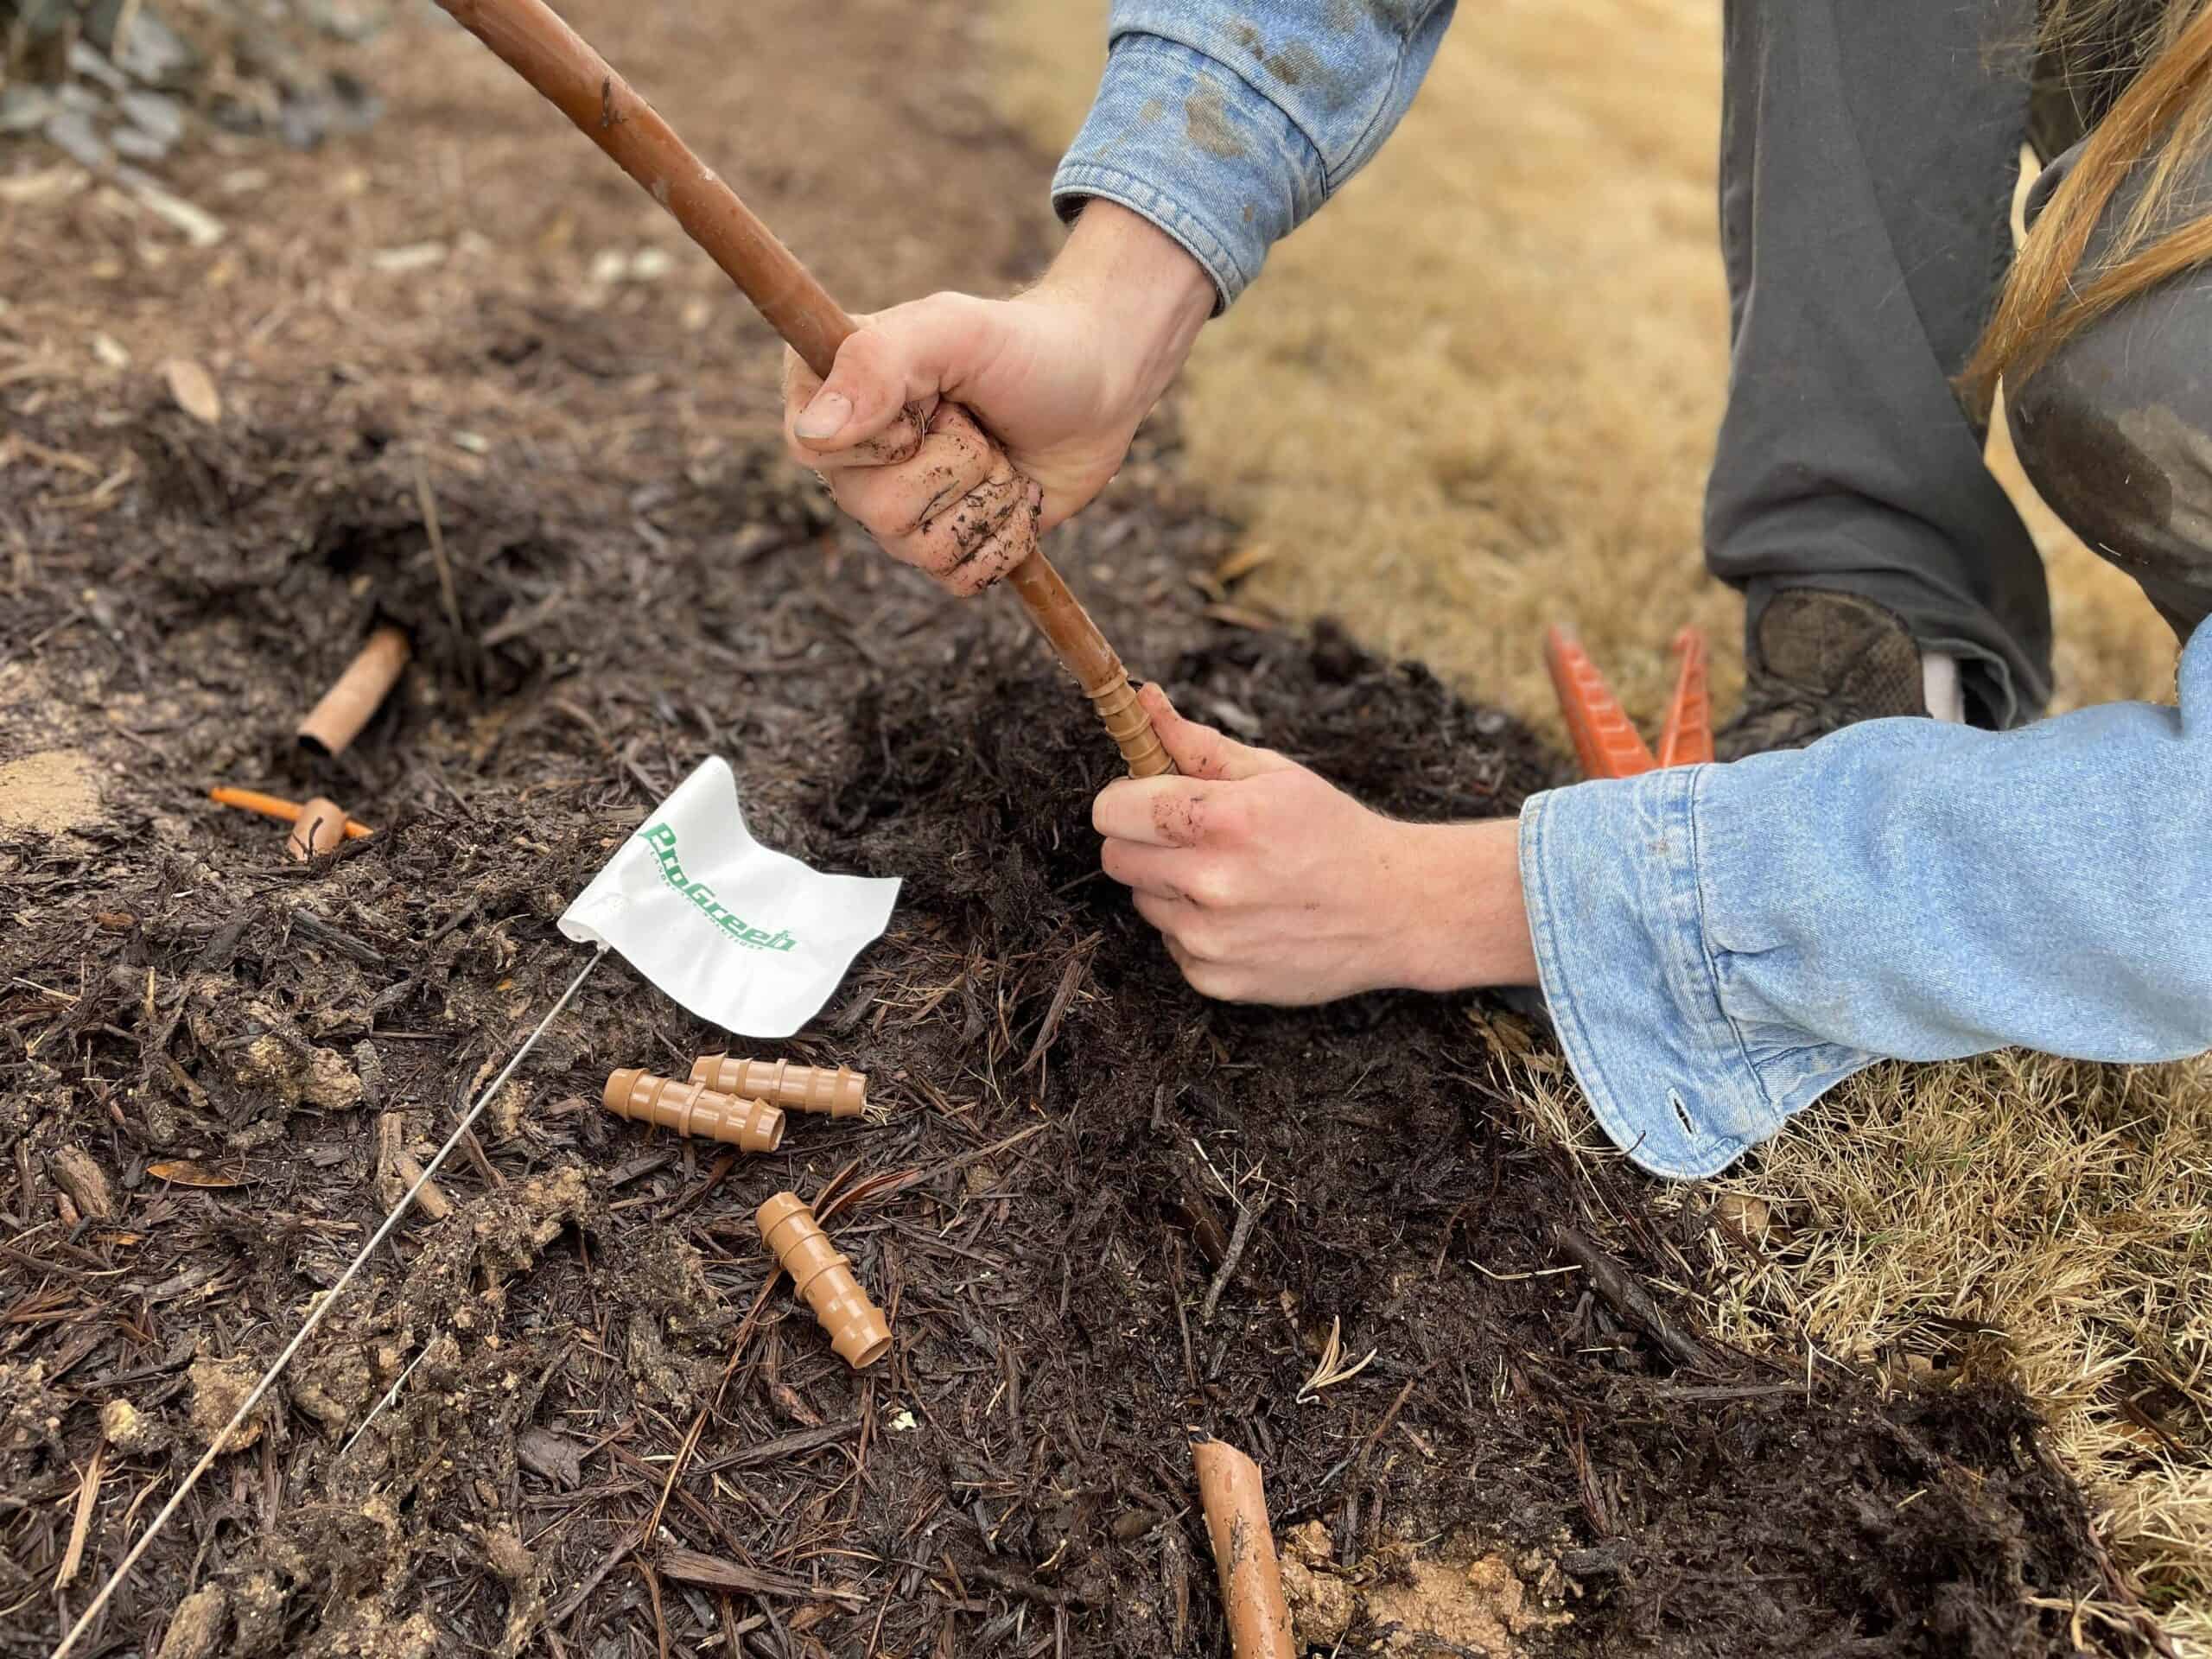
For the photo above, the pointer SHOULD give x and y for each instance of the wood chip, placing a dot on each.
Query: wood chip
(199, 228)
(713, 1573)
(77, 1172)
(1242, 562)
(184, 1172)
(87, 1496)
(193, 389)
(554, 1456)
(397, 1170)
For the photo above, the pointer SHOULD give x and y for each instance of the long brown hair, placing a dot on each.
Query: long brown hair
(2158, 129)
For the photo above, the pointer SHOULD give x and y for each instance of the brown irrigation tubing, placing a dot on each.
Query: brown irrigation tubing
(335, 722)
(534, 42)
(1235, 1506)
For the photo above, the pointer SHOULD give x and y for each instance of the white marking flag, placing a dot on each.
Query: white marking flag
(752, 939)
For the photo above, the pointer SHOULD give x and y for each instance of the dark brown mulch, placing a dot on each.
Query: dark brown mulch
(1044, 1215)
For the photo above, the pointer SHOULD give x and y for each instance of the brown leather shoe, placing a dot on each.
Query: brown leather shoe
(1820, 662)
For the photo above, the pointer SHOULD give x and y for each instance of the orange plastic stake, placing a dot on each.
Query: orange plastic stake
(1605, 742)
(1687, 738)
(823, 1276)
(274, 806)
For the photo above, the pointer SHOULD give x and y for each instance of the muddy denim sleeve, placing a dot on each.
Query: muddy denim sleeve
(1719, 946)
(1228, 125)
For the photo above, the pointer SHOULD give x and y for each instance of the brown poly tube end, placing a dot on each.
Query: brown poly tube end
(764, 1125)
(1236, 1505)
(617, 1097)
(864, 1340)
(335, 722)
(858, 1333)
(320, 828)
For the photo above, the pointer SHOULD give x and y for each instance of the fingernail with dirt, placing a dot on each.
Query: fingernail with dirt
(825, 418)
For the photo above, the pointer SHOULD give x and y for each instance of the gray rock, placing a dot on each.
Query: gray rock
(160, 117)
(151, 51)
(353, 20)
(71, 132)
(139, 146)
(39, 20)
(22, 108)
(308, 116)
(83, 60)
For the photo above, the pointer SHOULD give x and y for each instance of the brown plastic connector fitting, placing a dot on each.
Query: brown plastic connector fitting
(320, 828)
(694, 1109)
(1236, 1505)
(835, 1091)
(858, 1330)
(335, 722)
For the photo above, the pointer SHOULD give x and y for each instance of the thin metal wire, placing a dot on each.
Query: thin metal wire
(329, 1300)
(390, 1394)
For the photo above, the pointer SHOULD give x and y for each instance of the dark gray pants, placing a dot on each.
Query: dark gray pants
(1868, 153)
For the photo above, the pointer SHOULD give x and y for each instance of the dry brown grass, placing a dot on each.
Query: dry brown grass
(1477, 395)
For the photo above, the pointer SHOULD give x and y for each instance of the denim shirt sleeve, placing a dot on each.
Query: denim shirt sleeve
(1719, 946)
(1226, 126)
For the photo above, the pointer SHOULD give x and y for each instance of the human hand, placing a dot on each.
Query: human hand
(1271, 885)
(955, 428)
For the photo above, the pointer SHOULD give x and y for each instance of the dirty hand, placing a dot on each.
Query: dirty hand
(1058, 378)
(1273, 886)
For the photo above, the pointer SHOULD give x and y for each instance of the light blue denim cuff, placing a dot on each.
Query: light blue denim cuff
(1618, 898)
(1184, 142)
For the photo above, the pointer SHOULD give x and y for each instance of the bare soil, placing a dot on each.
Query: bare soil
(609, 1432)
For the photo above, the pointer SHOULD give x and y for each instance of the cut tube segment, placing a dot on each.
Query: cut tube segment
(320, 828)
(1236, 1504)
(694, 1109)
(335, 722)
(834, 1091)
(823, 1276)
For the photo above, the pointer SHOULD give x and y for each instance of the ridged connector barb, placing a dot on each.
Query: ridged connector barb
(694, 1109)
(1129, 727)
(834, 1091)
(858, 1330)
